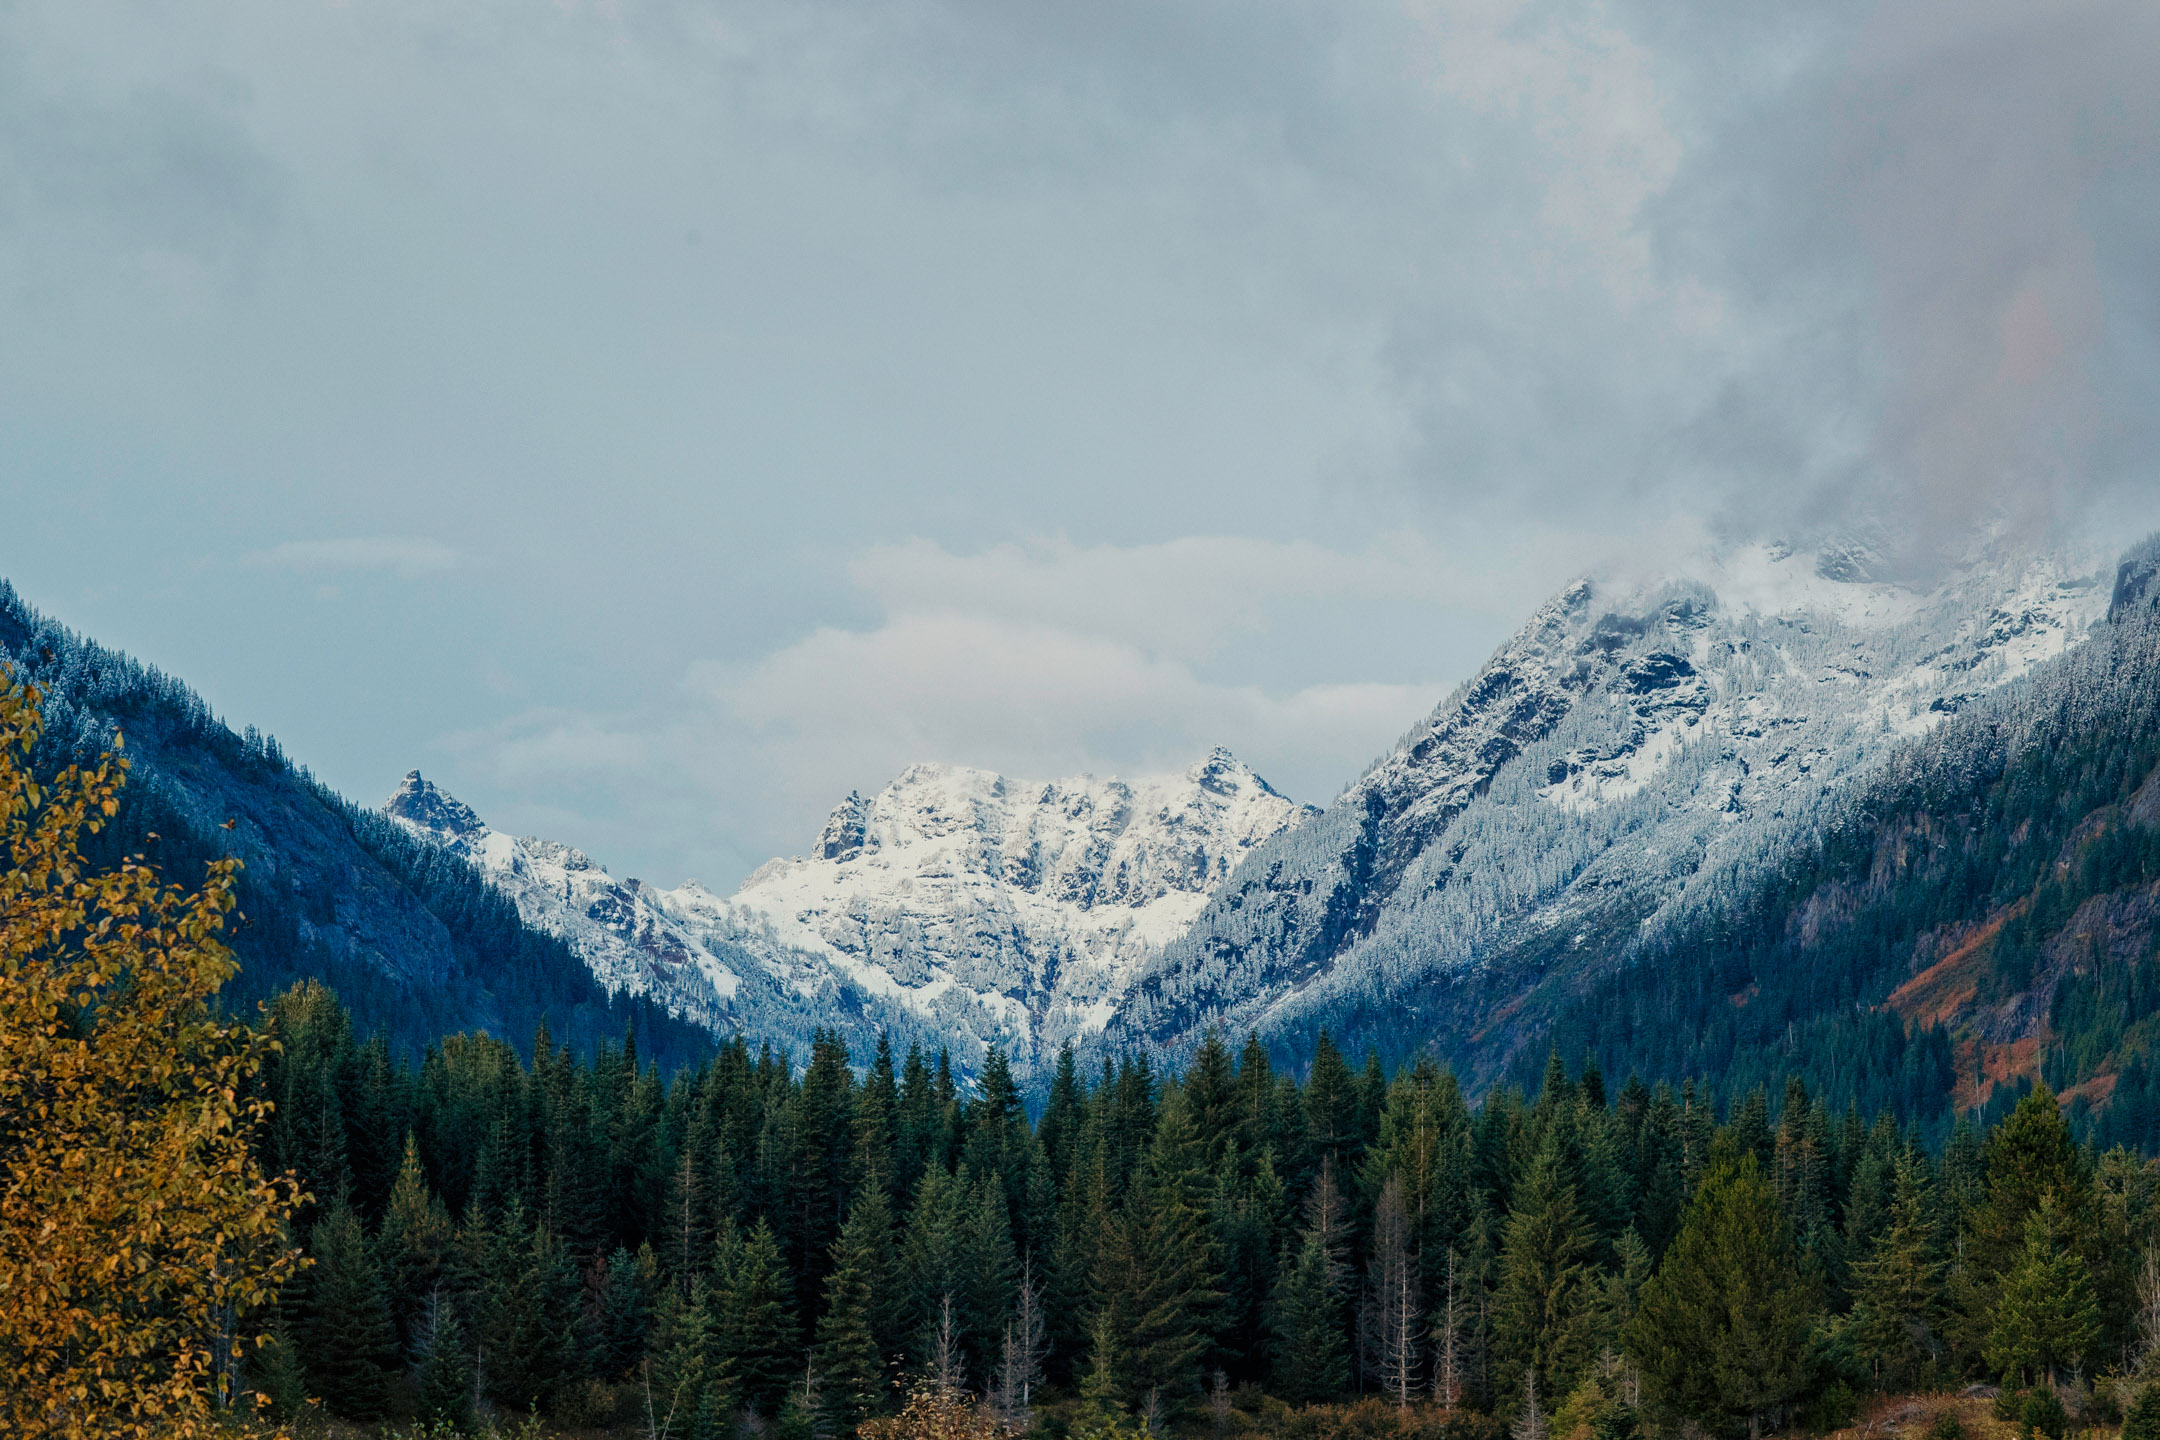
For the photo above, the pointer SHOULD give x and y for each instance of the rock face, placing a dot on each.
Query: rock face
(956, 906)
(1624, 741)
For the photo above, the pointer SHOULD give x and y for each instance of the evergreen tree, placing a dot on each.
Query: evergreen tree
(624, 1321)
(415, 1241)
(1102, 1387)
(757, 1328)
(848, 1357)
(1722, 1332)
(687, 1379)
(1311, 1363)
(1620, 1288)
(442, 1367)
(2045, 1318)
(2029, 1160)
(1331, 1102)
(528, 1313)
(934, 1259)
(2142, 1420)
(1156, 1274)
(1897, 1305)
(345, 1338)
(1548, 1295)
(1212, 1094)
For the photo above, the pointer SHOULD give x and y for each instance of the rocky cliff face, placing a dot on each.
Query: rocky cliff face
(1628, 739)
(956, 905)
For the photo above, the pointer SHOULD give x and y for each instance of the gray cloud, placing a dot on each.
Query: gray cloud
(764, 342)
(1924, 224)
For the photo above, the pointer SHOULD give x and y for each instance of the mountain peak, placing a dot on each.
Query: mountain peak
(419, 801)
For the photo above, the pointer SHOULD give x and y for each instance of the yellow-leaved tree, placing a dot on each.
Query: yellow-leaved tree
(138, 1236)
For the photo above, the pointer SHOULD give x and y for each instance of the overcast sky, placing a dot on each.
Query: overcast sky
(656, 419)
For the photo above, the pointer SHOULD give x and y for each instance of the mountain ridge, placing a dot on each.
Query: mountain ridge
(957, 906)
(1610, 747)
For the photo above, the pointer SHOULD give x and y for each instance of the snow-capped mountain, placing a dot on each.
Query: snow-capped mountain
(956, 905)
(1629, 737)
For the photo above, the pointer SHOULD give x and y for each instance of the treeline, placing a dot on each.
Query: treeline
(750, 1238)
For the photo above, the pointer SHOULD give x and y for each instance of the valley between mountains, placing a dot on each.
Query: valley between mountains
(1670, 822)
(1643, 761)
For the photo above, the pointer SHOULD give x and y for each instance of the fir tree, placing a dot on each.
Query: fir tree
(1331, 1102)
(1547, 1297)
(1156, 1275)
(686, 1377)
(1310, 1360)
(757, 1329)
(442, 1367)
(346, 1340)
(2142, 1420)
(848, 1356)
(1897, 1305)
(624, 1320)
(528, 1313)
(1723, 1327)
(2045, 1318)
(415, 1241)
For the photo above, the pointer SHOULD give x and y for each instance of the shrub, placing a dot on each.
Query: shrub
(2044, 1414)
(2143, 1420)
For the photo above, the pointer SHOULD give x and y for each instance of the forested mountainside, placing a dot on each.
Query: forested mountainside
(1196, 1248)
(958, 906)
(412, 938)
(1982, 913)
(1631, 764)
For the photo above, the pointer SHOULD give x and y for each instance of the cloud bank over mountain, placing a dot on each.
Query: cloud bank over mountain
(762, 396)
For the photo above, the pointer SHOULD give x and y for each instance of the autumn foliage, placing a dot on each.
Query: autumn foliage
(138, 1236)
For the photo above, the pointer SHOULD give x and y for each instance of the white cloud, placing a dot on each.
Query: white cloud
(851, 708)
(403, 555)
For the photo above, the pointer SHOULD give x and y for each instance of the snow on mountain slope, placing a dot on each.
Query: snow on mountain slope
(955, 905)
(1629, 734)
(628, 941)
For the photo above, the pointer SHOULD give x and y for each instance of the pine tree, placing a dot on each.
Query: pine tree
(2030, 1160)
(275, 1372)
(1331, 1102)
(1621, 1287)
(933, 1257)
(1102, 1386)
(1897, 1305)
(1547, 1297)
(625, 1315)
(442, 1367)
(2045, 1317)
(2142, 1421)
(415, 1241)
(1211, 1091)
(757, 1328)
(1723, 1327)
(987, 1268)
(1310, 1363)
(528, 1313)
(346, 1340)
(848, 1356)
(686, 1380)
(1751, 1126)
(1156, 1275)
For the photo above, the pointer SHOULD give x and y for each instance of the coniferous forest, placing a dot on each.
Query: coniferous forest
(793, 1244)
